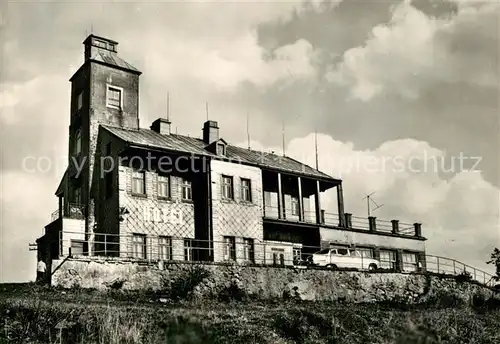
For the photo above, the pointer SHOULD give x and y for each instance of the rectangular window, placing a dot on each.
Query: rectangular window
(221, 149)
(77, 196)
(108, 184)
(248, 250)
(246, 190)
(227, 187)
(79, 100)
(187, 190)
(100, 44)
(229, 248)
(365, 252)
(139, 246)
(297, 255)
(278, 256)
(165, 248)
(295, 206)
(139, 182)
(114, 97)
(163, 186)
(188, 250)
(409, 262)
(388, 259)
(78, 142)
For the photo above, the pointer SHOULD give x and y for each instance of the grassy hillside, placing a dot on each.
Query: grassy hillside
(29, 314)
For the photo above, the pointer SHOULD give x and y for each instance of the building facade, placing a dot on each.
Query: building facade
(150, 194)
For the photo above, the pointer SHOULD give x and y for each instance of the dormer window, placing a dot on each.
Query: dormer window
(114, 97)
(221, 149)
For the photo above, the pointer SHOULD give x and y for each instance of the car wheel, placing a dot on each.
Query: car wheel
(372, 267)
(331, 266)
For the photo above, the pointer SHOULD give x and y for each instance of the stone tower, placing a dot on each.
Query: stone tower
(104, 90)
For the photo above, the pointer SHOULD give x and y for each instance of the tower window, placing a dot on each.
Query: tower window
(114, 97)
(79, 100)
(78, 142)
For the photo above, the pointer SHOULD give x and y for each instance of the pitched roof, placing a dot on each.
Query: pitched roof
(146, 138)
(113, 60)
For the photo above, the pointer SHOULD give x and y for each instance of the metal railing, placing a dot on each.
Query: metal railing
(54, 215)
(333, 219)
(73, 211)
(154, 249)
(448, 266)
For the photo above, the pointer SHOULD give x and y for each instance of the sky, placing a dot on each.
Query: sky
(403, 96)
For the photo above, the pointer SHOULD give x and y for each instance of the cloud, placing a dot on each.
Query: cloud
(460, 215)
(414, 50)
(225, 65)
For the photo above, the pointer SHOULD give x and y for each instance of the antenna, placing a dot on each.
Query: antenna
(206, 109)
(368, 200)
(283, 135)
(248, 131)
(175, 130)
(168, 106)
(316, 147)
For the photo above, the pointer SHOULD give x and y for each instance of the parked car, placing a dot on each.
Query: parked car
(334, 258)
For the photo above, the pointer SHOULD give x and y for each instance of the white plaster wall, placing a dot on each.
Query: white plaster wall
(73, 229)
(236, 217)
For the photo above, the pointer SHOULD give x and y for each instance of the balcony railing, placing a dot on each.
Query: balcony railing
(353, 222)
(54, 215)
(72, 211)
(75, 211)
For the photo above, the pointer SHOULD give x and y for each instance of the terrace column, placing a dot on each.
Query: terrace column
(395, 226)
(348, 220)
(318, 203)
(340, 203)
(372, 223)
(281, 207)
(301, 201)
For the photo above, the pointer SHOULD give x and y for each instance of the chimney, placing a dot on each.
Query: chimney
(95, 44)
(210, 132)
(161, 126)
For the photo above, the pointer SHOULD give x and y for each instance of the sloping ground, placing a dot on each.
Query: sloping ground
(31, 314)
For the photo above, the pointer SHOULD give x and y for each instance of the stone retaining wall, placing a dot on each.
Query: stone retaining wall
(263, 282)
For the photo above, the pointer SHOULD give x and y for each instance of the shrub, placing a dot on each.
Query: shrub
(184, 285)
(232, 292)
(445, 299)
(464, 276)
